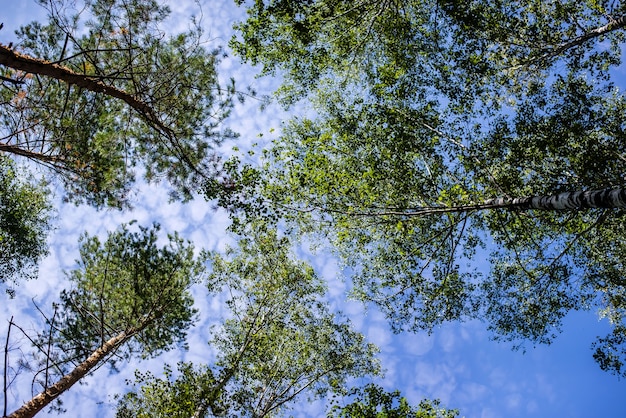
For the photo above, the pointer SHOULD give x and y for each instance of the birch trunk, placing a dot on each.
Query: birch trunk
(606, 198)
(40, 401)
(613, 25)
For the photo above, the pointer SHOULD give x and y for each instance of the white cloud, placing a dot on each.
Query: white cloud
(417, 344)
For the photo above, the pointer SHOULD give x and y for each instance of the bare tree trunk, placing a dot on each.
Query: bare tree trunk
(606, 198)
(40, 401)
(611, 198)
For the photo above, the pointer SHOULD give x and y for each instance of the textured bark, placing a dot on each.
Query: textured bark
(14, 149)
(40, 401)
(606, 198)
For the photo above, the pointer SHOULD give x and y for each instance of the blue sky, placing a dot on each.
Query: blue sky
(458, 363)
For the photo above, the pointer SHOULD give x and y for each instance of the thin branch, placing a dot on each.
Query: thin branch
(10, 80)
(6, 366)
(89, 51)
(613, 25)
(49, 348)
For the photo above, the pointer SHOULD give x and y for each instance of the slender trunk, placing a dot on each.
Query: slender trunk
(606, 198)
(40, 401)
(6, 366)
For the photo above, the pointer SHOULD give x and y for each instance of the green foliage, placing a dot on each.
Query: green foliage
(374, 402)
(167, 397)
(426, 109)
(461, 50)
(128, 297)
(292, 342)
(610, 352)
(25, 213)
(279, 342)
(94, 141)
(127, 284)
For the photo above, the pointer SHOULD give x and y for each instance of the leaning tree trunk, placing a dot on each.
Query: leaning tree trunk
(40, 401)
(606, 198)
(610, 198)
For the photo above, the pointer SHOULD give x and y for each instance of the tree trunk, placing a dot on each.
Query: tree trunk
(606, 198)
(40, 401)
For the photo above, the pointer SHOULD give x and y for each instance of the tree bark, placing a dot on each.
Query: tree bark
(606, 198)
(40, 401)
(13, 149)
(611, 198)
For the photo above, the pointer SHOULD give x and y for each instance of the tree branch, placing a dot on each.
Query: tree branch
(15, 60)
(13, 149)
(37, 403)
(606, 198)
(6, 366)
(614, 24)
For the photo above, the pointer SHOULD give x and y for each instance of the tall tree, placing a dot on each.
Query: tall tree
(452, 48)
(101, 89)
(129, 297)
(25, 213)
(432, 119)
(278, 343)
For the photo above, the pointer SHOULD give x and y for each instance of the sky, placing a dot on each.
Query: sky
(458, 363)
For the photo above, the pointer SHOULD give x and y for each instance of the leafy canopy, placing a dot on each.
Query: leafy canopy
(425, 110)
(372, 401)
(279, 341)
(128, 297)
(128, 284)
(100, 90)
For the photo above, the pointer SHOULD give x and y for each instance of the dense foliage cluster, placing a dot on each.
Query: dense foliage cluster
(25, 213)
(96, 93)
(435, 123)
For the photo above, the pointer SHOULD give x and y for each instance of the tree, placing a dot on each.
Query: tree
(94, 94)
(432, 118)
(373, 401)
(280, 342)
(25, 213)
(129, 297)
(452, 48)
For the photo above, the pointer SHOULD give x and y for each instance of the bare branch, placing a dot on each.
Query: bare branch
(6, 366)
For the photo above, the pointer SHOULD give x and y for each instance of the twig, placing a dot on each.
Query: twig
(6, 359)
